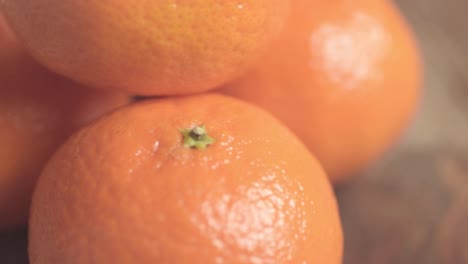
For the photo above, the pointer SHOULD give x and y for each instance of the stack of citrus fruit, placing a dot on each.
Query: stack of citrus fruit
(192, 176)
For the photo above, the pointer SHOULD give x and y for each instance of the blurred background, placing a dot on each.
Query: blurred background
(411, 207)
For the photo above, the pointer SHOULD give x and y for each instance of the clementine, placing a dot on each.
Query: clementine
(202, 179)
(147, 47)
(345, 77)
(38, 110)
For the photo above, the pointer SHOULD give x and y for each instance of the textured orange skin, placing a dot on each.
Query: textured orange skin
(147, 47)
(345, 77)
(126, 190)
(38, 110)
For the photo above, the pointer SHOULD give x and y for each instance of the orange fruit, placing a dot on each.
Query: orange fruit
(345, 77)
(202, 179)
(147, 47)
(38, 110)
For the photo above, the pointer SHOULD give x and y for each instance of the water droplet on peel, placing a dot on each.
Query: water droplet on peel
(156, 146)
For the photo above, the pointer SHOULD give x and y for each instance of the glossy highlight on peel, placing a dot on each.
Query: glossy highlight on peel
(345, 76)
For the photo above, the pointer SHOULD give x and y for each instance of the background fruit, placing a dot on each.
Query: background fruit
(345, 77)
(147, 47)
(38, 110)
(125, 189)
(7, 36)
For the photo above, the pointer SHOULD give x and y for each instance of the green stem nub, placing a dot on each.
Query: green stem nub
(197, 137)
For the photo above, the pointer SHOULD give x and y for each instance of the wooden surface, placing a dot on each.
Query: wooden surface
(411, 208)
